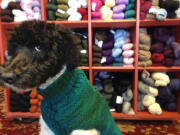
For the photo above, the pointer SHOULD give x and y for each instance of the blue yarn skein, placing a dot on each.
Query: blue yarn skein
(119, 42)
(116, 52)
(119, 59)
(104, 75)
(119, 33)
(167, 95)
(174, 85)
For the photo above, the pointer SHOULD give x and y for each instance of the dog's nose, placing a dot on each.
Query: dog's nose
(8, 80)
(7, 77)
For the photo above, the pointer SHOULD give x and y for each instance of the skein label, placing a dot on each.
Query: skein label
(145, 74)
(98, 43)
(103, 60)
(93, 6)
(61, 11)
(83, 51)
(112, 110)
(119, 100)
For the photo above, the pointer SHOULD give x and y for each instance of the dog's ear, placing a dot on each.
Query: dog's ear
(68, 47)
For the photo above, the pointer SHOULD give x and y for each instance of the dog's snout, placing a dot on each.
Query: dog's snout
(8, 78)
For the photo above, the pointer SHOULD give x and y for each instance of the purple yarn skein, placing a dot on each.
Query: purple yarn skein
(177, 62)
(157, 47)
(118, 16)
(122, 2)
(108, 45)
(127, 40)
(109, 60)
(119, 8)
(176, 48)
(174, 85)
(161, 34)
(107, 52)
(36, 9)
(171, 107)
(35, 4)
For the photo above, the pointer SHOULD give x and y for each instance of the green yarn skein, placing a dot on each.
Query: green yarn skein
(51, 7)
(51, 15)
(131, 18)
(129, 14)
(85, 43)
(62, 1)
(117, 64)
(52, 1)
(60, 19)
(60, 15)
(130, 6)
(132, 1)
(63, 7)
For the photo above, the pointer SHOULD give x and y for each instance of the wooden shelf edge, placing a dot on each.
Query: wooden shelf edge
(9, 25)
(153, 22)
(147, 116)
(112, 69)
(83, 68)
(161, 68)
(114, 23)
(72, 24)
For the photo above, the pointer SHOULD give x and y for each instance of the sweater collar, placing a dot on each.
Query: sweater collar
(57, 86)
(49, 81)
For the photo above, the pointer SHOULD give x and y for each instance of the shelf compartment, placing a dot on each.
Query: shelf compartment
(116, 78)
(66, 23)
(153, 22)
(16, 114)
(42, 14)
(113, 23)
(96, 63)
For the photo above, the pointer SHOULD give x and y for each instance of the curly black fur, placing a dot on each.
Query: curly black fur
(38, 50)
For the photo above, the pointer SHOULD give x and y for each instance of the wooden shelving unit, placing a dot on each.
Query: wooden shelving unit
(133, 25)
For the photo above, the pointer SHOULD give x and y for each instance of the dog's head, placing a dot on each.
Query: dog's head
(37, 51)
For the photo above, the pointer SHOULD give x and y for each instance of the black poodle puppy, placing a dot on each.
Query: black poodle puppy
(44, 56)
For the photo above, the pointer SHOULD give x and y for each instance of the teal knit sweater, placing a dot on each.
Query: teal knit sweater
(72, 103)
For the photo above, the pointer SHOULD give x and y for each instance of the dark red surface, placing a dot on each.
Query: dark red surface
(133, 26)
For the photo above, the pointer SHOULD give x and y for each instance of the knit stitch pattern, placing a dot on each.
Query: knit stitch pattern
(71, 103)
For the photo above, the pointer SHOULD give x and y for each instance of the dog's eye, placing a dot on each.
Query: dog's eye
(37, 49)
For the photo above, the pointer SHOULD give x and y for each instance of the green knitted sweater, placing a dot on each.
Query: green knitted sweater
(71, 103)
